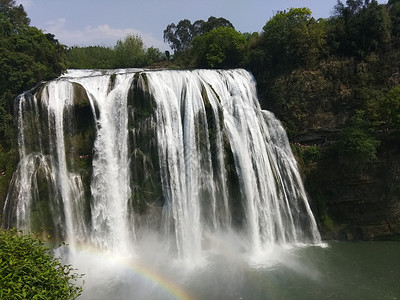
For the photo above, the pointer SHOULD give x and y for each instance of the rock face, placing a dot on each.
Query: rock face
(362, 199)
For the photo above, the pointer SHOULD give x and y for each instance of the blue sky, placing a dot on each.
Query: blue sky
(103, 22)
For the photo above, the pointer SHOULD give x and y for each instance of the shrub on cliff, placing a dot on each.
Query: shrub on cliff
(356, 143)
(28, 270)
(385, 110)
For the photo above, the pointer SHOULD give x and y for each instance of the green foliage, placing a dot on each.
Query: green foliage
(130, 52)
(358, 28)
(394, 14)
(153, 55)
(127, 53)
(294, 39)
(213, 23)
(27, 56)
(222, 47)
(356, 141)
(92, 57)
(307, 157)
(255, 58)
(28, 270)
(385, 110)
(300, 96)
(180, 36)
(16, 14)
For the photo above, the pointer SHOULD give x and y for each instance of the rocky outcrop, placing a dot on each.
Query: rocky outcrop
(355, 200)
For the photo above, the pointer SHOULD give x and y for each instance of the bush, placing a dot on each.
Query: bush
(385, 110)
(356, 142)
(28, 270)
(307, 157)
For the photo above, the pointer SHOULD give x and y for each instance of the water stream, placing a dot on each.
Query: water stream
(166, 185)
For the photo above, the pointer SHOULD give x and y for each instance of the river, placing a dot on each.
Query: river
(335, 270)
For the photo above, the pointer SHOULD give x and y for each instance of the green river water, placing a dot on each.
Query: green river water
(343, 270)
(340, 270)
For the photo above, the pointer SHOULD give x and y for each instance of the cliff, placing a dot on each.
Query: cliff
(352, 199)
(342, 120)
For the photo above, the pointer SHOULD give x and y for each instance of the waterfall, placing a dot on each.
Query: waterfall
(106, 156)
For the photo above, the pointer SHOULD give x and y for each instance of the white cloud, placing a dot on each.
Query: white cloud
(103, 35)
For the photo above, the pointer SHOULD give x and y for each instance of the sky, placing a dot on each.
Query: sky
(104, 22)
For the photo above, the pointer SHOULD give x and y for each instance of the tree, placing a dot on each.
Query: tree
(256, 58)
(127, 53)
(222, 47)
(394, 13)
(353, 7)
(359, 28)
(130, 52)
(214, 23)
(16, 14)
(27, 56)
(294, 39)
(180, 36)
(92, 57)
(153, 55)
(28, 270)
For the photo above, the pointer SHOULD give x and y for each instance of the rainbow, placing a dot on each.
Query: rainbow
(172, 288)
(140, 269)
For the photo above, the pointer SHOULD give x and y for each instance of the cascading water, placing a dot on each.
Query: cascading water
(110, 184)
(42, 171)
(272, 196)
(109, 158)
